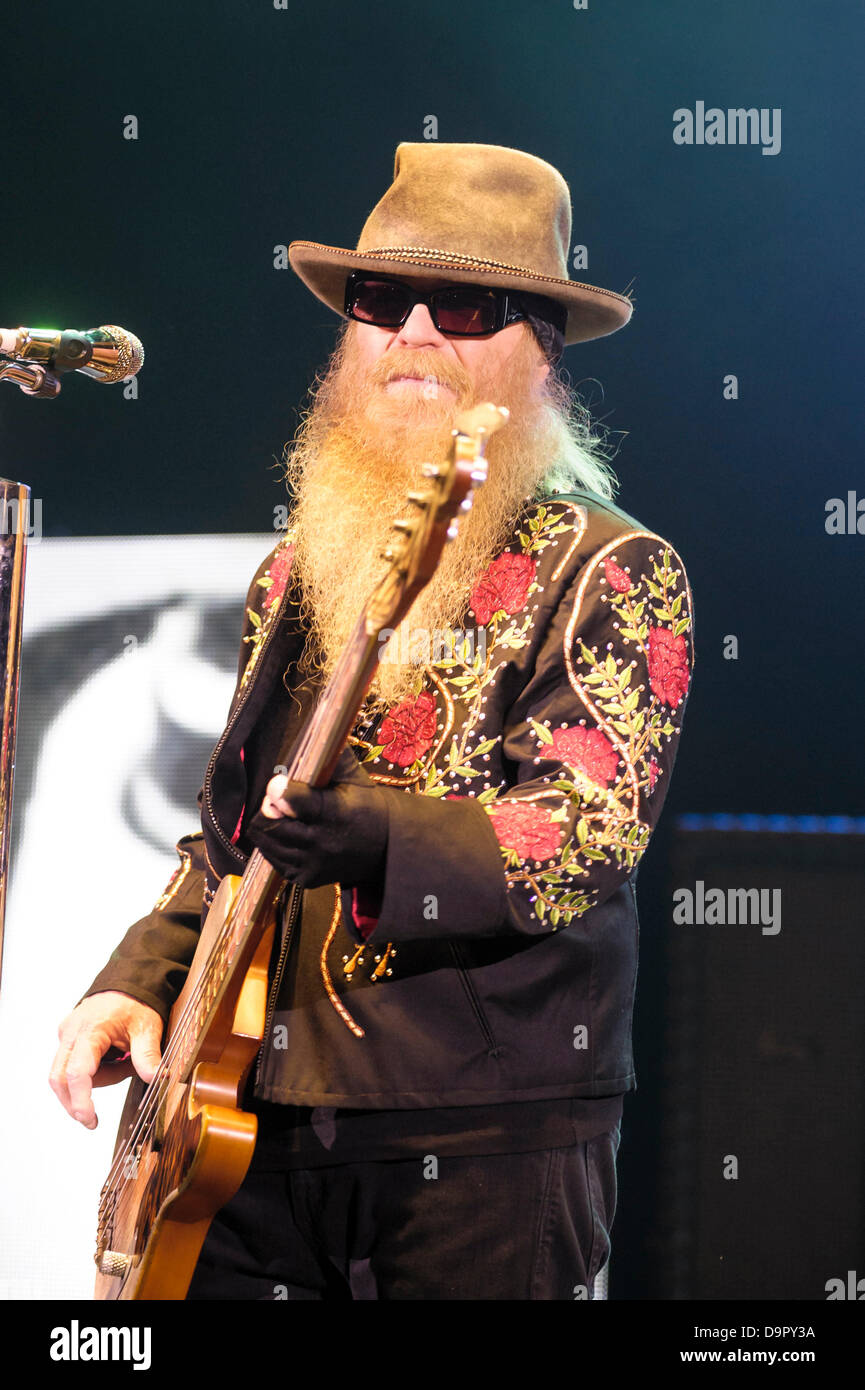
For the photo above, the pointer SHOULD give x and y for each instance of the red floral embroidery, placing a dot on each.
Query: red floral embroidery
(504, 584)
(527, 829)
(279, 572)
(617, 578)
(653, 773)
(588, 750)
(407, 730)
(668, 665)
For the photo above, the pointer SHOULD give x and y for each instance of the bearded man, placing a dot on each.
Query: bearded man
(448, 1038)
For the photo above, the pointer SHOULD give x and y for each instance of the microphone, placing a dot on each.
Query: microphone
(107, 354)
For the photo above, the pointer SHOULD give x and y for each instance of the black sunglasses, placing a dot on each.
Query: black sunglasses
(460, 311)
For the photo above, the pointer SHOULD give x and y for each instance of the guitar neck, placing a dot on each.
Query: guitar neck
(311, 758)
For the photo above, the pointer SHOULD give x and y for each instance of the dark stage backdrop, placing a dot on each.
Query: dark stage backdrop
(735, 392)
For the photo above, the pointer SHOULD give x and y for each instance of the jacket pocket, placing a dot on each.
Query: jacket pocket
(474, 1000)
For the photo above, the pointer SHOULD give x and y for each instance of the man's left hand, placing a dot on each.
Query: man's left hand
(332, 834)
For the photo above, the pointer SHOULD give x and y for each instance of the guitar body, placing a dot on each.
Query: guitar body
(171, 1176)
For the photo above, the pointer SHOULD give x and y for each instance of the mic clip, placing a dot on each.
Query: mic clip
(67, 351)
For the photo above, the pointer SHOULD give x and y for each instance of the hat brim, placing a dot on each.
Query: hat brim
(592, 312)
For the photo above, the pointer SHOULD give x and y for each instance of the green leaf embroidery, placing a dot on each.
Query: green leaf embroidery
(543, 733)
(486, 747)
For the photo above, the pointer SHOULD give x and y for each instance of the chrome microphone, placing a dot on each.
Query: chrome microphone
(107, 354)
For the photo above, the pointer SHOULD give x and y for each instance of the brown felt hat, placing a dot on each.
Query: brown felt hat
(481, 214)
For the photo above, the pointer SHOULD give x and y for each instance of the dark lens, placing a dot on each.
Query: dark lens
(380, 302)
(466, 312)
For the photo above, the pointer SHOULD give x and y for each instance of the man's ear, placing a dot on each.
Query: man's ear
(542, 370)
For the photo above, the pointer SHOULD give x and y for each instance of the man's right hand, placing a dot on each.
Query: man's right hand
(102, 1021)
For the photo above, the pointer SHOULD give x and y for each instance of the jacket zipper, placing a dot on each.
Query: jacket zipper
(208, 792)
(277, 976)
(475, 1002)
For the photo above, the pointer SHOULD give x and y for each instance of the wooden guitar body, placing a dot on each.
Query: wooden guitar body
(172, 1173)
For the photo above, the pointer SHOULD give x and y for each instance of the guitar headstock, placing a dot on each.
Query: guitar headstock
(415, 555)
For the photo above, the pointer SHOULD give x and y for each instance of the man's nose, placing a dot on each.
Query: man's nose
(419, 329)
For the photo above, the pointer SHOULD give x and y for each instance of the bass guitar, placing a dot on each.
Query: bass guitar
(184, 1149)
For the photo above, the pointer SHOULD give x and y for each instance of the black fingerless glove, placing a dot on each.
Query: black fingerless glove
(338, 833)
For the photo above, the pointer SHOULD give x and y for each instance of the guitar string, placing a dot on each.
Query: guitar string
(154, 1094)
(181, 1034)
(152, 1100)
(153, 1097)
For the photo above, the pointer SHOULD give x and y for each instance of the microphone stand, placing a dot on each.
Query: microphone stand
(14, 501)
(33, 379)
(108, 354)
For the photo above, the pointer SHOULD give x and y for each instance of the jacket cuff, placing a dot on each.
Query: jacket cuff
(134, 991)
(444, 874)
(151, 963)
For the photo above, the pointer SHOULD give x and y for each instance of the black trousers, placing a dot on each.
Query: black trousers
(502, 1226)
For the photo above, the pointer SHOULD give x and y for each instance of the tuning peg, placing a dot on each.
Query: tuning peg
(405, 526)
(420, 499)
(388, 553)
(434, 470)
(452, 531)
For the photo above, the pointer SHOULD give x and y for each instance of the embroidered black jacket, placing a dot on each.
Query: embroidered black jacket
(535, 758)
